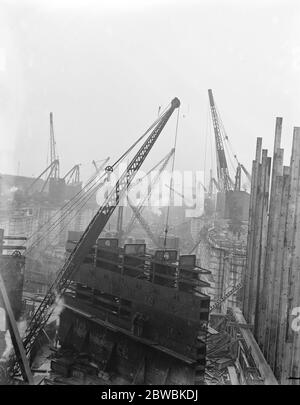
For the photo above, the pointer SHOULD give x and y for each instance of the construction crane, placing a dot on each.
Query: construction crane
(53, 168)
(90, 235)
(99, 168)
(163, 162)
(248, 175)
(237, 184)
(53, 157)
(224, 180)
(73, 175)
(238, 174)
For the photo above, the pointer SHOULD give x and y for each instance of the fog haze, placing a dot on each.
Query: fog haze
(104, 68)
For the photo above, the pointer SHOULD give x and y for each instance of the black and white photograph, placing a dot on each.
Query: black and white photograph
(149, 196)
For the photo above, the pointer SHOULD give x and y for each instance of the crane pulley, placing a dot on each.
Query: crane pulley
(89, 237)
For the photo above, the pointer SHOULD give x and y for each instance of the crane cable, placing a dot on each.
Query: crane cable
(67, 205)
(171, 181)
(224, 136)
(91, 189)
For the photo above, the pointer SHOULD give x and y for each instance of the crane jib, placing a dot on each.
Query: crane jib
(87, 240)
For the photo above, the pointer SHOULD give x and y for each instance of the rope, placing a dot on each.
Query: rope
(171, 180)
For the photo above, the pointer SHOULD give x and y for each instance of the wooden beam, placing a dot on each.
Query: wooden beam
(277, 273)
(15, 336)
(258, 357)
(263, 244)
(250, 238)
(285, 349)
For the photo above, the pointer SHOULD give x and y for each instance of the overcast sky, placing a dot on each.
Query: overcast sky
(104, 68)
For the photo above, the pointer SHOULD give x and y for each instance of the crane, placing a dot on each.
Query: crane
(90, 235)
(248, 175)
(224, 179)
(53, 168)
(53, 157)
(238, 174)
(73, 175)
(99, 168)
(237, 184)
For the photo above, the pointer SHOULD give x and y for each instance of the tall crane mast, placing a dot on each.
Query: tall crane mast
(89, 237)
(222, 168)
(53, 157)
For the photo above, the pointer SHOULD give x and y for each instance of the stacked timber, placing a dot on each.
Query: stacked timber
(271, 281)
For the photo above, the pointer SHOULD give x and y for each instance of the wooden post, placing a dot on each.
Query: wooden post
(271, 257)
(268, 225)
(263, 244)
(277, 273)
(274, 212)
(256, 244)
(15, 336)
(252, 205)
(294, 285)
(284, 352)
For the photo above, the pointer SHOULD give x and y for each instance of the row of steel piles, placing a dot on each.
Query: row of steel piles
(271, 280)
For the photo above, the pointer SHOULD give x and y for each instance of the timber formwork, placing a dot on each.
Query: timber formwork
(271, 283)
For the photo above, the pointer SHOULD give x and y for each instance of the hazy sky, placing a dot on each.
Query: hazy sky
(104, 68)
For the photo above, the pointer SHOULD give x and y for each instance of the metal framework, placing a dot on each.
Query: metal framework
(222, 168)
(73, 175)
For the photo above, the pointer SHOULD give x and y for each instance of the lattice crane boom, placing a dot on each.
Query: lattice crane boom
(89, 237)
(222, 168)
